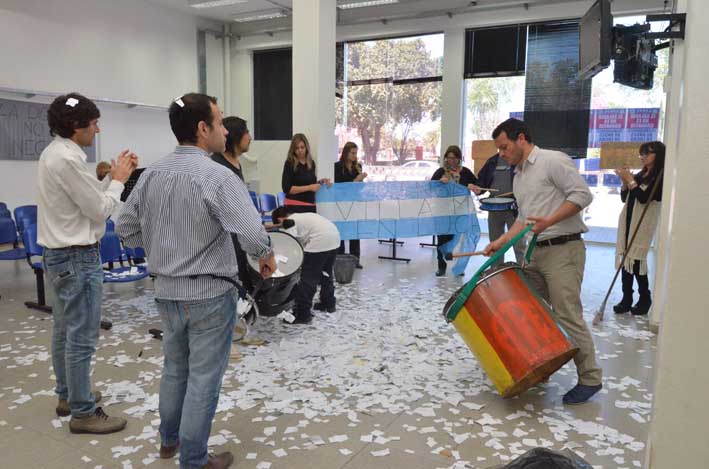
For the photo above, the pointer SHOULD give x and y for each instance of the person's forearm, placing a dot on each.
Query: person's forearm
(299, 189)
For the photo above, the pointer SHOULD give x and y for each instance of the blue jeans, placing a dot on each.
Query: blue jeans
(75, 278)
(196, 343)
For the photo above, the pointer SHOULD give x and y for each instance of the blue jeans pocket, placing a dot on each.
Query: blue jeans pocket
(210, 314)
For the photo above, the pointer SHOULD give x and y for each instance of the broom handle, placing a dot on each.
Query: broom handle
(632, 238)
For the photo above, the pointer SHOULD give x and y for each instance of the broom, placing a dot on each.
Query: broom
(599, 314)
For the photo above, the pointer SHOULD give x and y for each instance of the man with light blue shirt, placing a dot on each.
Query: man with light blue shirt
(182, 211)
(551, 193)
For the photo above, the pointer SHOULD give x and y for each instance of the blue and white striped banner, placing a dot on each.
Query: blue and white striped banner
(402, 209)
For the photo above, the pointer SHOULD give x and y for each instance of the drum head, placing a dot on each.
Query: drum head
(497, 200)
(288, 252)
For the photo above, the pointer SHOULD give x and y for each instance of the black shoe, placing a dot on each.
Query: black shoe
(642, 307)
(624, 306)
(320, 307)
(581, 393)
(302, 319)
(440, 272)
(359, 266)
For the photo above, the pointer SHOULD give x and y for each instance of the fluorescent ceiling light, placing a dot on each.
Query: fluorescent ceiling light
(214, 3)
(366, 3)
(260, 15)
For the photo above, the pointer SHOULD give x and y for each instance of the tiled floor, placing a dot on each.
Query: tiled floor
(382, 383)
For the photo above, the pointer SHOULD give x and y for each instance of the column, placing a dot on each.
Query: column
(453, 95)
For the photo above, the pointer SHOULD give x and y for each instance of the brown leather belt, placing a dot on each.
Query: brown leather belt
(558, 240)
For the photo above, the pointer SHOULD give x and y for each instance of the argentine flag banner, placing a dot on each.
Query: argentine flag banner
(401, 209)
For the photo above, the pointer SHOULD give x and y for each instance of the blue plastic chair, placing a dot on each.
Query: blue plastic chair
(8, 235)
(255, 200)
(281, 197)
(25, 212)
(110, 225)
(5, 213)
(32, 249)
(3, 205)
(268, 204)
(111, 251)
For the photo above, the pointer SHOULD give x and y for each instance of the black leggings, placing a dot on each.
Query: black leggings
(627, 281)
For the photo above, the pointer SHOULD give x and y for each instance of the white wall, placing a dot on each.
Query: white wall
(678, 433)
(128, 50)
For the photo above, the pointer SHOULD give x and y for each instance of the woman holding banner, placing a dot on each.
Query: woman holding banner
(452, 170)
(348, 169)
(299, 181)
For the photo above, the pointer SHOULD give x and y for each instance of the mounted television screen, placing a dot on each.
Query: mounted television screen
(595, 39)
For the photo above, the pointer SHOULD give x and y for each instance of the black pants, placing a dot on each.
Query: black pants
(317, 270)
(441, 240)
(242, 264)
(627, 282)
(354, 247)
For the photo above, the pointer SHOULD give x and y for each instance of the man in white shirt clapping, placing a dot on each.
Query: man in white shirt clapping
(72, 209)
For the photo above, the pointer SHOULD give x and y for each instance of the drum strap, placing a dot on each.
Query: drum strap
(239, 287)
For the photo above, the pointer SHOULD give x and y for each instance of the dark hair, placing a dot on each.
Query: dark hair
(292, 159)
(70, 112)
(658, 148)
(186, 112)
(345, 153)
(280, 212)
(455, 149)
(513, 128)
(236, 126)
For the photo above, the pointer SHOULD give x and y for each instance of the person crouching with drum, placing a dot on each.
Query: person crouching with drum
(452, 170)
(497, 174)
(635, 192)
(320, 240)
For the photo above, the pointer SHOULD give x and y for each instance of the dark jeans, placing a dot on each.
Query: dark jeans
(627, 282)
(354, 247)
(317, 270)
(441, 240)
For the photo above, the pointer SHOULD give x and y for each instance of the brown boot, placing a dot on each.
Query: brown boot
(168, 452)
(219, 461)
(99, 423)
(63, 408)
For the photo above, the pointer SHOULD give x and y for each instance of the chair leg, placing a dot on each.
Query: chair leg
(40, 305)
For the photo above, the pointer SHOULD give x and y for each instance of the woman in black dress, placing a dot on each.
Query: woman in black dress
(299, 181)
(349, 170)
(452, 171)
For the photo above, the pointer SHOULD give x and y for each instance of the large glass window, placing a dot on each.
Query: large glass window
(390, 105)
(619, 114)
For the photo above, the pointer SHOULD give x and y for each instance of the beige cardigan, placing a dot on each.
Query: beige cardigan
(641, 245)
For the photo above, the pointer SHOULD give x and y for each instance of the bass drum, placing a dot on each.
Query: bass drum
(273, 295)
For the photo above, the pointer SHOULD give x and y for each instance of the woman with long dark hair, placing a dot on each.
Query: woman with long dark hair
(635, 193)
(451, 170)
(348, 169)
(299, 180)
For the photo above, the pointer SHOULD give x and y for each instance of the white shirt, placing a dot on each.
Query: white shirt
(314, 232)
(543, 183)
(72, 204)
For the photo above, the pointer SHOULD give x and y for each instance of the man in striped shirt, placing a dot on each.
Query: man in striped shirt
(181, 211)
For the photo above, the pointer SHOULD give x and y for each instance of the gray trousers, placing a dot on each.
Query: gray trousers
(556, 272)
(496, 223)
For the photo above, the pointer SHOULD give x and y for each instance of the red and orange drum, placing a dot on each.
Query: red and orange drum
(509, 328)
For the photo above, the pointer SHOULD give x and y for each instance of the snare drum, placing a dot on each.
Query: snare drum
(497, 204)
(274, 293)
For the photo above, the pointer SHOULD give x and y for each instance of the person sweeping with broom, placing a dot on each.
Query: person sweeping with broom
(637, 194)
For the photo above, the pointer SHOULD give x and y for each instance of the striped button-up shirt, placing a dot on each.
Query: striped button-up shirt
(181, 211)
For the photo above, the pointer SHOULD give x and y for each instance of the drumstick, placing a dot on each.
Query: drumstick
(490, 189)
(452, 255)
(505, 194)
